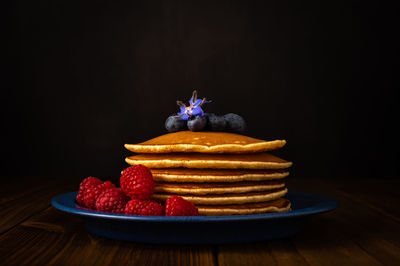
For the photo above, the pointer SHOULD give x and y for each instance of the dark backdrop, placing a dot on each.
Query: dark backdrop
(81, 79)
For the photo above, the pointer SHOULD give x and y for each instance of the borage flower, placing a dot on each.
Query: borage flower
(193, 109)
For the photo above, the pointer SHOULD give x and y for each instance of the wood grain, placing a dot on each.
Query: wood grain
(284, 252)
(41, 246)
(16, 209)
(244, 254)
(55, 237)
(363, 230)
(376, 234)
(320, 245)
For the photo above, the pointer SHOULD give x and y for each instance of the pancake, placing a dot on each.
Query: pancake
(215, 175)
(226, 199)
(205, 142)
(217, 188)
(214, 161)
(278, 205)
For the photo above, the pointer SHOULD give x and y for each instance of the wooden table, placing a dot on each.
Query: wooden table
(363, 230)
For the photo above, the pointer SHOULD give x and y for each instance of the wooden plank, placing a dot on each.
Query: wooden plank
(244, 254)
(54, 220)
(69, 243)
(54, 237)
(380, 195)
(26, 245)
(376, 234)
(353, 213)
(21, 187)
(274, 252)
(285, 253)
(321, 244)
(355, 233)
(16, 210)
(81, 248)
(147, 254)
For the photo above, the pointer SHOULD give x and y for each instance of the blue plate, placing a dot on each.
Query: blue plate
(200, 229)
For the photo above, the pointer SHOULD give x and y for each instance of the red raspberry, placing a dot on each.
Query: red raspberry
(84, 185)
(137, 182)
(177, 206)
(144, 207)
(112, 200)
(91, 194)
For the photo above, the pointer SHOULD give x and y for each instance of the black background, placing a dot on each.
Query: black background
(81, 79)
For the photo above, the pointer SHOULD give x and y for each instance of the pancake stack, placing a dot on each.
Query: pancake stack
(221, 173)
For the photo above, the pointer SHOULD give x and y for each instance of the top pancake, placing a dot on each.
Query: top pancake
(205, 142)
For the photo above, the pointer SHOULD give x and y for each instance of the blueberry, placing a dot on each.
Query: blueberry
(234, 122)
(173, 124)
(216, 123)
(207, 116)
(197, 123)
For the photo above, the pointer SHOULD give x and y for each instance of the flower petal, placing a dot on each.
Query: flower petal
(197, 111)
(185, 117)
(197, 103)
(182, 110)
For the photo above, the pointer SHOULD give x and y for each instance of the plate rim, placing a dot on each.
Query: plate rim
(326, 204)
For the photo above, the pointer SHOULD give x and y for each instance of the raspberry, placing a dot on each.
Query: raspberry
(144, 207)
(112, 200)
(84, 185)
(137, 182)
(177, 206)
(91, 194)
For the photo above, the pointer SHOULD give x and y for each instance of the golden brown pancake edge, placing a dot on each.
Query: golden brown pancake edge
(225, 199)
(215, 175)
(214, 161)
(278, 205)
(216, 188)
(205, 142)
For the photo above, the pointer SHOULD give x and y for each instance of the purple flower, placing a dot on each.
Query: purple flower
(193, 109)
